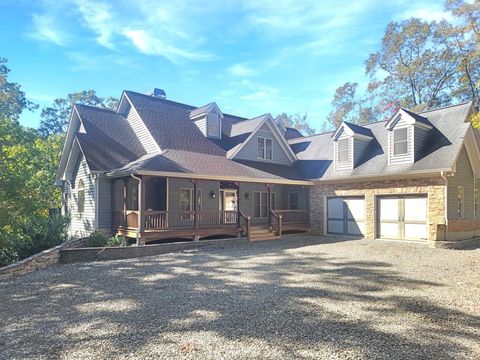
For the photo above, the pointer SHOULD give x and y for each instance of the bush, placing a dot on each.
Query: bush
(117, 240)
(98, 239)
(30, 236)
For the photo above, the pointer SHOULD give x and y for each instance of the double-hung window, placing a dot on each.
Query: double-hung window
(264, 149)
(186, 202)
(460, 201)
(400, 141)
(293, 201)
(342, 150)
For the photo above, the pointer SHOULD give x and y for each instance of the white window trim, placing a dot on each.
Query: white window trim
(406, 141)
(264, 139)
(462, 202)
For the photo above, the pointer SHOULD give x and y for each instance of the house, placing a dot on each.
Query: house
(156, 169)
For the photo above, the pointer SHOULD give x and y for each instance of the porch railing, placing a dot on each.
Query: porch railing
(293, 216)
(169, 220)
(277, 220)
(131, 218)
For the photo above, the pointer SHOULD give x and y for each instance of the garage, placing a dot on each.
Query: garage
(402, 217)
(346, 215)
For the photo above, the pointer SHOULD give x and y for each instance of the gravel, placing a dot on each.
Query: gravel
(302, 297)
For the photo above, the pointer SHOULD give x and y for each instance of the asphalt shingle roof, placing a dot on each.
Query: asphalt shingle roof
(315, 153)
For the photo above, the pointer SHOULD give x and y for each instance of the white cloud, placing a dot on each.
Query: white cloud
(98, 16)
(241, 70)
(44, 29)
(428, 13)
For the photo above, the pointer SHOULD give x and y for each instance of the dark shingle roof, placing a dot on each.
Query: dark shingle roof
(291, 133)
(357, 129)
(439, 152)
(109, 141)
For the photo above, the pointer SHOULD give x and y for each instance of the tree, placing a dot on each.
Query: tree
(54, 119)
(348, 106)
(296, 121)
(12, 99)
(414, 67)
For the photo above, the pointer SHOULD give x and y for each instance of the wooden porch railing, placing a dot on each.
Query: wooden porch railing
(248, 223)
(277, 220)
(170, 220)
(131, 217)
(294, 216)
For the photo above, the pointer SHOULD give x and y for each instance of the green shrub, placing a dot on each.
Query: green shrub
(30, 236)
(117, 240)
(98, 239)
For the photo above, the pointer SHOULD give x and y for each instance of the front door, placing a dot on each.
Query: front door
(229, 205)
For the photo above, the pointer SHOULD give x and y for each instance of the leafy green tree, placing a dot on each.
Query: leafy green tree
(54, 118)
(297, 121)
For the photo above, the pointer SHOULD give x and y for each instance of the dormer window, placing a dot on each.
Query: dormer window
(343, 151)
(400, 141)
(208, 119)
(264, 150)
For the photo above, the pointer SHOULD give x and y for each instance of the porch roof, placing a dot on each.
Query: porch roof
(185, 164)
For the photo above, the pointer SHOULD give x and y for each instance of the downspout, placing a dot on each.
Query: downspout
(443, 174)
(140, 205)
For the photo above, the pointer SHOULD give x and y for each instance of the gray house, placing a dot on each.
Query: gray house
(156, 169)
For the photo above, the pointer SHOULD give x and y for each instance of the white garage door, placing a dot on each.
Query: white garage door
(402, 217)
(346, 215)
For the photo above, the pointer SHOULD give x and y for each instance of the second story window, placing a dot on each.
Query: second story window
(343, 151)
(400, 141)
(264, 150)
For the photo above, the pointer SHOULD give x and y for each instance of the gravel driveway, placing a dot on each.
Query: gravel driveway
(303, 297)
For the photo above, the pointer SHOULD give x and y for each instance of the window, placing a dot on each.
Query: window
(186, 201)
(81, 197)
(273, 201)
(260, 204)
(264, 149)
(400, 141)
(476, 197)
(132, 195)
(460, 201)
(213, 125)
(343, 150)
(293, 201)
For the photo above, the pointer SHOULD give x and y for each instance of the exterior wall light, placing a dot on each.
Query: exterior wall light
(212, 194)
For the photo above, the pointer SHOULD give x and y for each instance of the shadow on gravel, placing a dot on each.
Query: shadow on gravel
(283, 294)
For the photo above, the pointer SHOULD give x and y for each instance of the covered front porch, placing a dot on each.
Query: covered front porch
(150, 208)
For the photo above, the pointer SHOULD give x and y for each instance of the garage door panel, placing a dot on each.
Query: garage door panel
(416, 231)
(356, 209)
(335, 208)
(389, 209)
(356, 227)
(335, 226)
(415, 209)
(389, 230)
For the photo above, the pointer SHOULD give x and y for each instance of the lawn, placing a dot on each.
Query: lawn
(301, 297)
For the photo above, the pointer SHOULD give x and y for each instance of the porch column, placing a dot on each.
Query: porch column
(125, 182)
(238, 204)
(141, 204)
(195, 204)
(269, 204)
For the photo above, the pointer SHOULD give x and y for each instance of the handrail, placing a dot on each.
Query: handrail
(171, 220)
(300, 216)
(248, 221)
(277, 224)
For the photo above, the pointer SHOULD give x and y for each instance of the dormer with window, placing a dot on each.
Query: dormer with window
(208, 119)
(350, 143)
(407, 132)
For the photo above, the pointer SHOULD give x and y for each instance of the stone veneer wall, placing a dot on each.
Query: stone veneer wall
(434, 187)
(39, 261)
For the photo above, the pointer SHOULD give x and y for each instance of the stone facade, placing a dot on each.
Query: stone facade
(38, 261)
(435, 188)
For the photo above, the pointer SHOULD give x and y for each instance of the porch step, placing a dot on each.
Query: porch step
(270, 236)
(262, 233)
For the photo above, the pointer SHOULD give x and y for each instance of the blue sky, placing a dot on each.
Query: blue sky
(249, 56)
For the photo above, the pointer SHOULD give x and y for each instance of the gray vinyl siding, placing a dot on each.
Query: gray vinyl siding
(208, 204)
(359, 146)
(104, 205)
(420, 135)
(249, 150)
(202, 125)
(138, 126)
(303, 195)
(81, 224)
(348, 164)
(401, 159)
(463, 177)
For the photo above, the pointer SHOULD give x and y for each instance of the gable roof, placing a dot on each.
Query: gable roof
(353, 130)
(411, 118)
(439, 153)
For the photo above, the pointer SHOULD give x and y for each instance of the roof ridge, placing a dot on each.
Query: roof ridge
(444, 107)
(97, 108)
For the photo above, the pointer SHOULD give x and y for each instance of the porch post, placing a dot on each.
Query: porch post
(269, 204)
(125, 182)
(141, 204)
(238, 204)
(195, 204)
